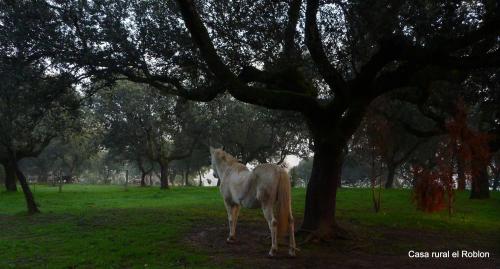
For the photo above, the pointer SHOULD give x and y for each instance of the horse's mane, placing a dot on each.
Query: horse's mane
(230, 160)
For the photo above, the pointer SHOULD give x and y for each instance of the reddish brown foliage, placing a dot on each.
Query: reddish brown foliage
(471, 145)
(435, 187)
(429, 192)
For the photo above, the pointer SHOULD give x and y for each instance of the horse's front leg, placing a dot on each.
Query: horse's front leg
(232, 217)
(273, 226)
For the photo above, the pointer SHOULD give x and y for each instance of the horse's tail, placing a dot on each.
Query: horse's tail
(284, 203)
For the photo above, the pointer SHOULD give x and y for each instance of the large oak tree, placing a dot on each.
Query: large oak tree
(326, 60)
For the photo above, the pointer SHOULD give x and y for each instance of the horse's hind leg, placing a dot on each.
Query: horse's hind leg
(292, 246)
(231, 238)
(235, 210)
(273, 226)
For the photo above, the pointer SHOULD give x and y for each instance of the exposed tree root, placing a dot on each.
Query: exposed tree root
(334, 232)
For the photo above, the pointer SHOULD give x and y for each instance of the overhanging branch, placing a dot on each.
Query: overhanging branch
(290, 51)
(314, 44)
(270, 98)
(201, 38)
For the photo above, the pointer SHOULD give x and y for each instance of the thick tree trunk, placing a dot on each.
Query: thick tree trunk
(319, 214)
(330, 139)
(480, 188)
(163, 175)
(391, 171)
(28, 195)
(186, 178)
(143, 172)
(186, 174)
(143, 179)
(10, 177)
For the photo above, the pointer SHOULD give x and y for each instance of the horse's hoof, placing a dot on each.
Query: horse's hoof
(231, 240)
(291, 253)
(272, 253)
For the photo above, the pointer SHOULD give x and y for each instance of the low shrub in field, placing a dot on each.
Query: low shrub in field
(431, 189)
(434, 188)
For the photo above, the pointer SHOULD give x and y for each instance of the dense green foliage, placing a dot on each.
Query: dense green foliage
(90, 226)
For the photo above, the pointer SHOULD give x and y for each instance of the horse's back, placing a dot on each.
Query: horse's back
(268, 171)
(253, 188)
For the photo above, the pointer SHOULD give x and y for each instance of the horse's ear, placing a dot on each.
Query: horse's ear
(222, 147)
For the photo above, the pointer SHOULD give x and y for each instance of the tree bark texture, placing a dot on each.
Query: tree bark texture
(391, 171)
(163, 175)
(28, 195)
(10, 176)
(480, 188)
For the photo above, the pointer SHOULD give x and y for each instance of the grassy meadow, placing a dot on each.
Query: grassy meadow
(89, 226)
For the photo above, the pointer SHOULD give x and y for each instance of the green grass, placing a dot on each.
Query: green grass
(398, 211)
(107, 227)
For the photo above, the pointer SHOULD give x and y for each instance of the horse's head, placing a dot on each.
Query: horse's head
(216, 154)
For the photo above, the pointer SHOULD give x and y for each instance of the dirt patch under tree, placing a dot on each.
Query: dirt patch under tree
(376, 248)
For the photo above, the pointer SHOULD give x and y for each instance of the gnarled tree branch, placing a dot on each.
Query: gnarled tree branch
(290, 51)
(313, 41)
(270, 98)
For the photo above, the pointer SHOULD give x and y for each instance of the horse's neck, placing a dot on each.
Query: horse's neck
(234, 179)
(222, 169)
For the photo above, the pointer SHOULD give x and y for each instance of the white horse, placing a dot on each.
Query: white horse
(267, 187)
